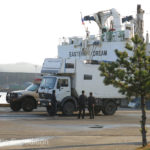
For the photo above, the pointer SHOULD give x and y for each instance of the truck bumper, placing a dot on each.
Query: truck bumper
(44, 102)
(10, 98)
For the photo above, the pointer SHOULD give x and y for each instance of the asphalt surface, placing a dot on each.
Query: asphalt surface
(36, 130)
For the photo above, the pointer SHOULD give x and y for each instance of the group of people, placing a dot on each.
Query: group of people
(83, 100)
(82, 104)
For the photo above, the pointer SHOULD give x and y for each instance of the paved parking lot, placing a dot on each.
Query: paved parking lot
(36, 130)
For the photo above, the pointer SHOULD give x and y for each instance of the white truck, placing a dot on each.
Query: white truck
(68, 78)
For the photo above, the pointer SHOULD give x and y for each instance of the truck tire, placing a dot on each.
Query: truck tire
(28, 105)
(109, 108)
(97, 110)
(15, 106)
(68, 108)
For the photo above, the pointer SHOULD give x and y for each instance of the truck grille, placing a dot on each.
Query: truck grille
(45, 96)
(13, 95)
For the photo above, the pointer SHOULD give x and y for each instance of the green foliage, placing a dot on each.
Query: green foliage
(131, 71)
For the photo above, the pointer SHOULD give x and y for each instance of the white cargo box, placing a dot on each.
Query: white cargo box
(58, 65)
(51, 65)
(88, 78)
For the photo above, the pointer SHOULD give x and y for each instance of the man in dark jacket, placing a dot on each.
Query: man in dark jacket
(91, 104)
(82, 102)
(54, 103)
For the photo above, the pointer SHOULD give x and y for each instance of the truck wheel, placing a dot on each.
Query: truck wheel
(68, 108)
(109, 108)
(97, 110)
(28, 105)
(15, 106)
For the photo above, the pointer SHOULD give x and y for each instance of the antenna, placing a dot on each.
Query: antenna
(86, 28)
(139, 25)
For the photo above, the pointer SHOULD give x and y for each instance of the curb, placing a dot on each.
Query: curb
(4, 105)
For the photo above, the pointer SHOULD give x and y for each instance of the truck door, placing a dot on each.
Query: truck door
(63, 88)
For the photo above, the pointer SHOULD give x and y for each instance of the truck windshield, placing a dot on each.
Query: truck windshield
(48, 82)
(32, 87)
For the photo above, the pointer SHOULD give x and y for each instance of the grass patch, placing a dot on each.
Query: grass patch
(144, 148)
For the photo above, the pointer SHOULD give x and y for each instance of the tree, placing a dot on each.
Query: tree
(131, 74)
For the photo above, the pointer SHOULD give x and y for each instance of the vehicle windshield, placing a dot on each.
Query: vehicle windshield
(48, 82)
(32, 87)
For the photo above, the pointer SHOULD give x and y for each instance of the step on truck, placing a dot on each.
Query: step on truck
(26, 99)
(68, 78)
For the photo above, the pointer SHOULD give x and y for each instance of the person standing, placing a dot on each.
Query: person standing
(54, 103)
(91, 104)
(82, 102)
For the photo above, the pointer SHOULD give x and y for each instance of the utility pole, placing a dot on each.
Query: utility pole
(139, 24)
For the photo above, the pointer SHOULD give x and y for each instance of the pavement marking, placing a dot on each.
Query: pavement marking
(24, 141)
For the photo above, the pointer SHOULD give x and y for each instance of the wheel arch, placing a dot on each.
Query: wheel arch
(105, 101)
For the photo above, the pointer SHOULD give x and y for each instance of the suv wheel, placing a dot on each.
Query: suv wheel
(15, 106)
(28, 105)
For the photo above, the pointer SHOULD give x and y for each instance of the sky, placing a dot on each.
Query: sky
(30, 30)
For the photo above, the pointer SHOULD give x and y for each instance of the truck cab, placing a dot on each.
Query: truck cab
(62, 86)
